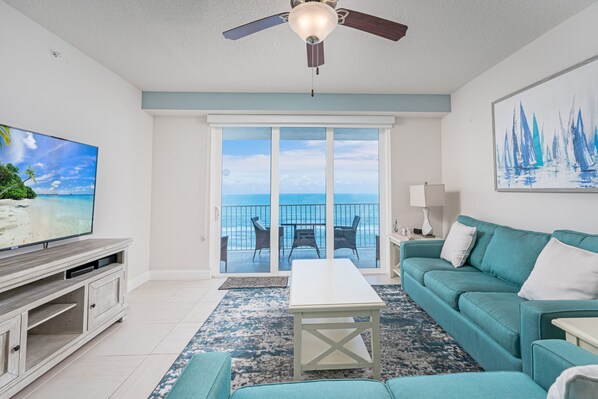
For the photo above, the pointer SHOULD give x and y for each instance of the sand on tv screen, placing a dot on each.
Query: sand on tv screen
(47, 188)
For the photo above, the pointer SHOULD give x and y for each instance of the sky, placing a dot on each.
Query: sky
(61, 167)
(246, 164)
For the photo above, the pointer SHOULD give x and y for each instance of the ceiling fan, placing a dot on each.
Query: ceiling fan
(314, 20)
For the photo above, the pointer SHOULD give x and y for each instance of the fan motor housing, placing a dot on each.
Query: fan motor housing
(331, 3)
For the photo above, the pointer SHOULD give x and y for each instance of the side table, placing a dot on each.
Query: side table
(582, 331)
(395, 249)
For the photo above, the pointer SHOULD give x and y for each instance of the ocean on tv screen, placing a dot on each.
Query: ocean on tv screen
(47, 187)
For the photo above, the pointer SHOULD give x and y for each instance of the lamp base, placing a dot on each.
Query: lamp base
(426, 227)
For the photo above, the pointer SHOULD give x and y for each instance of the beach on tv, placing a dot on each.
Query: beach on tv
(47, 187)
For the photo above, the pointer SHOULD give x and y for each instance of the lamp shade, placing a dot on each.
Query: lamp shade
(313, 21)
(426, 195)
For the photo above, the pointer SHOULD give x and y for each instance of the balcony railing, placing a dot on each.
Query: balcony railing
(236, 222)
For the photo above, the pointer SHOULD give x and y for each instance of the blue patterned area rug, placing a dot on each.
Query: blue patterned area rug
(254, 325)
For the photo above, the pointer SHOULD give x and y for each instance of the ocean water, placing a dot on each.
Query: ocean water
(237, 211)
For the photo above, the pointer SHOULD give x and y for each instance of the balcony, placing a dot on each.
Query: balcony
(237, 226)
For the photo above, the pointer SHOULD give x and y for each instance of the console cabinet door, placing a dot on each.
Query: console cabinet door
(106, 298)
(10, 347)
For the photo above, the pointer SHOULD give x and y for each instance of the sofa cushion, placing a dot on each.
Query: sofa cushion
(418, 267)
(484, 233)
(324, 389)
(501, 384)
(512, 253)
(449, 286)
(588, 242)
(497, 314)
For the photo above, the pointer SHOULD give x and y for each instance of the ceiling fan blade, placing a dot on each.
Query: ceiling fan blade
(256, 26)
(315, 55)
(371, 24)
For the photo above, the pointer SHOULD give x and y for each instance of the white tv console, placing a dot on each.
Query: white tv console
(45, 316)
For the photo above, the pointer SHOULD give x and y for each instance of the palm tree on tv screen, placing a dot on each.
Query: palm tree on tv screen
(29, 193)
(5, 135)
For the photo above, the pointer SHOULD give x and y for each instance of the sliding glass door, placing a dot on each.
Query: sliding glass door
(245, 200)
(302, 198)
(357, 196)
(289, 193)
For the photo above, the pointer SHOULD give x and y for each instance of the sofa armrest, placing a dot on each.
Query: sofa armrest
(551, 357)
(421, 249)
(536, 322)
(206, 376)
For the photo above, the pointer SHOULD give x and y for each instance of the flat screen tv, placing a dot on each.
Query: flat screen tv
(47, 188)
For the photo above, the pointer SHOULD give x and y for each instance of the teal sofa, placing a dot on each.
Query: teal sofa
(208, 376)
(478, 304)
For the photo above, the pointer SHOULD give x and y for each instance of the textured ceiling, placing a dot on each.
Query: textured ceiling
(177, 45)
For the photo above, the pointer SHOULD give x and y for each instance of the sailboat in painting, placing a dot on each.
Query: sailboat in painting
(528, 154)
(507, 160)
(583, 157)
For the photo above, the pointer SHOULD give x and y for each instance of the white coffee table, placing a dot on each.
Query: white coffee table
(325, 297)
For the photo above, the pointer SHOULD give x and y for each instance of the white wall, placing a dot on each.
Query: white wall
(76, 98)
(179, 198)
(415, 158)
(467, 148)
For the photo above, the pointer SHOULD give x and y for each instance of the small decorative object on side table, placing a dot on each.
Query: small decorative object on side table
(395, 248)
(582, 331)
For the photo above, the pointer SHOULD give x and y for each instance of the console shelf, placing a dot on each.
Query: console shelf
(45, 315)
(40, 347)
(45, 312)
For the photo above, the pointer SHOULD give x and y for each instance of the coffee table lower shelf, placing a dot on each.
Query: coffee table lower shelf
(335, 343)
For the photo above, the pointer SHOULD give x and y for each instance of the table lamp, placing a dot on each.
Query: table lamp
(425, 196)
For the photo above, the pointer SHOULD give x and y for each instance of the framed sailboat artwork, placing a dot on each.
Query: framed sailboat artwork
(546, 135)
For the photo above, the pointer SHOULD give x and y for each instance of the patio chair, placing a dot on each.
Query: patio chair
(305, 238)
(346, 236)
(262, 237)
(224, 251)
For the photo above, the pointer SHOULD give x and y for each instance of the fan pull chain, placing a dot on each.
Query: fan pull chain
(312, 83)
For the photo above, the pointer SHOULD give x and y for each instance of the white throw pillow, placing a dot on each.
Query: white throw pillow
(458, 244)
(576, 382)
(562, 272)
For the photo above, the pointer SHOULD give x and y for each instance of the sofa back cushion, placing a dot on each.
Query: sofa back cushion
(512, 254)
(576, 239)
(484, 233)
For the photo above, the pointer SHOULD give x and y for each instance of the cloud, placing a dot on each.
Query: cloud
(21, 143)
(303, 169)
(46, 177)
(39, 165)
(55, 183)
(29, 141)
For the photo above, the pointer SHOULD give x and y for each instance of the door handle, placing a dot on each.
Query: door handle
(216, 213)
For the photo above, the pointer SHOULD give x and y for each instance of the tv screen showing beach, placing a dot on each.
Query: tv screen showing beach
(47, 188)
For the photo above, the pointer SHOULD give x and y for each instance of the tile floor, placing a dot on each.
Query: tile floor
(129, 359)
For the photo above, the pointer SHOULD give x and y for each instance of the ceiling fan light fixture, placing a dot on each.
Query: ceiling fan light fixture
(313, 21)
